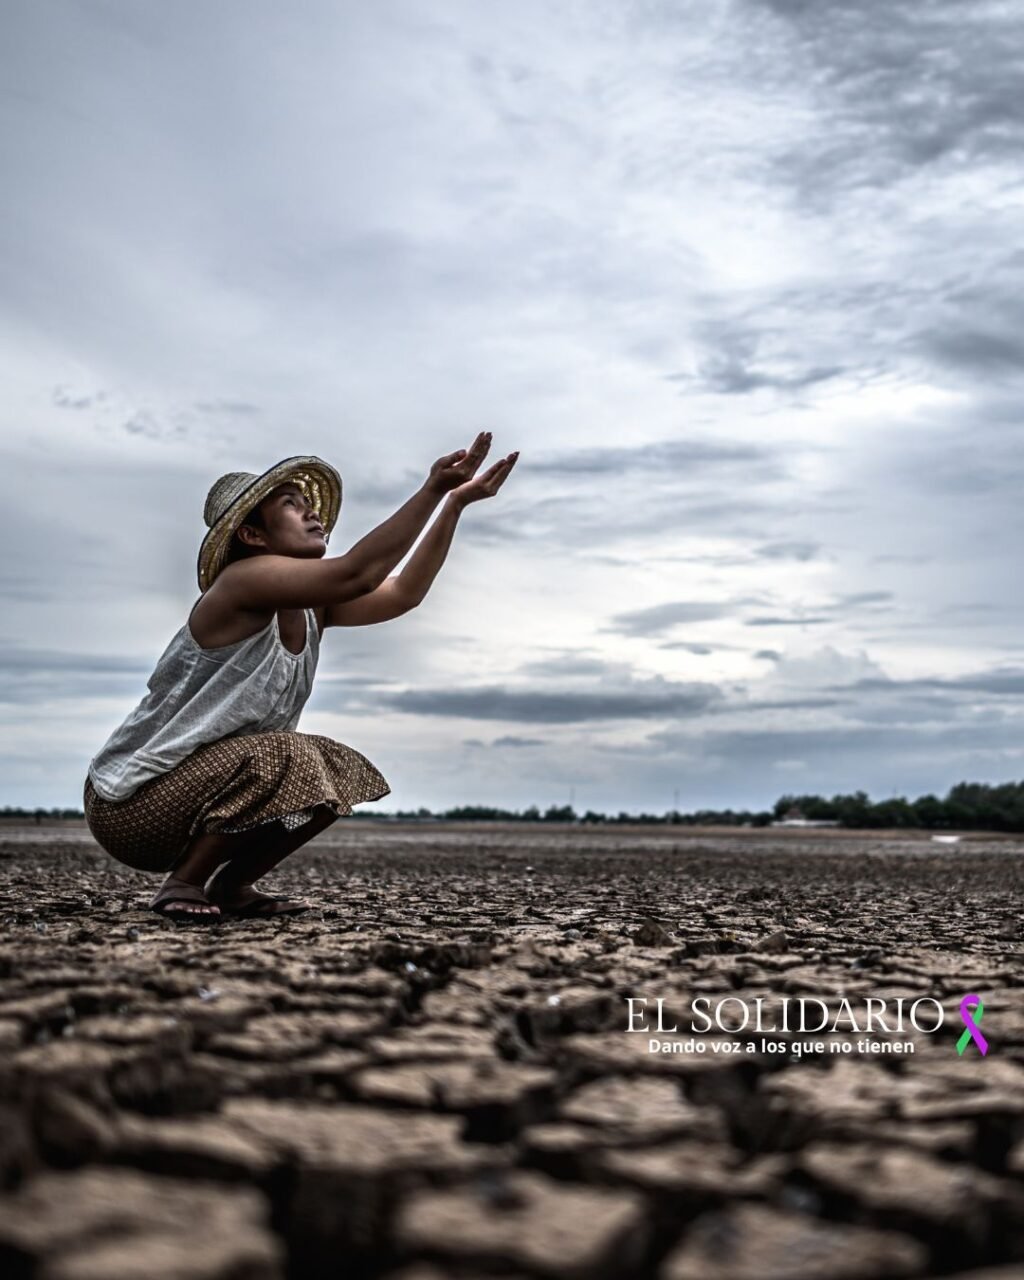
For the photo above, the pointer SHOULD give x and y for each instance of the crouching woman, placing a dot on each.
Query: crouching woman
(208, 779)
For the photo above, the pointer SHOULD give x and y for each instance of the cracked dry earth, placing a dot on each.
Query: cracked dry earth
(429, 1076)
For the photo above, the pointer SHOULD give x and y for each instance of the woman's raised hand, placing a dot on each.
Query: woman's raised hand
(454, 469)
(486, 485)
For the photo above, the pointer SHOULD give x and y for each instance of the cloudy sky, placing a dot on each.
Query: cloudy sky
(741, 279)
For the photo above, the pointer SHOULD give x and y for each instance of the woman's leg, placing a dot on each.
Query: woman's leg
(232, 886)
(203, 855)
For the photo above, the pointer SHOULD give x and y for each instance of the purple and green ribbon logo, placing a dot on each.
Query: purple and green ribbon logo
(971, 1010)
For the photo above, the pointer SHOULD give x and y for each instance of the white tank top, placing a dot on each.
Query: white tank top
(200, 695)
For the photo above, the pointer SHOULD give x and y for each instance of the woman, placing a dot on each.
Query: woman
(208, 771)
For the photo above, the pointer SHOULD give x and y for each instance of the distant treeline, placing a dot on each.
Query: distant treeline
(969, 806)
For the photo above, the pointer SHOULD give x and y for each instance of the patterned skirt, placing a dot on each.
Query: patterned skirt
(230, 786)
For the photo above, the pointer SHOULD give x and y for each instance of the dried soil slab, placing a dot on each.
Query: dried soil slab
(952, 1139)
(691, 1173)
(913, 1185)
(625, 1053)
(571, 1009)
(40, 1010)
(457, 1085)
(12, 1034)
(289, 1078)
(217, 1012)
(754, 1242)
(433, 1041)
(281, 1036)
(531, 1223)
(459, 1006)
(954, 1090)
(350, 1164)
(164, 1031)
(170, 1257)
(85, 1068)
(565, 1150)
(649, 1109)
(196, 1147)
(833, 1097)
(112, 1224)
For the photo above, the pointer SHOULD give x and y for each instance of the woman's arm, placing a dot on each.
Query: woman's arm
(414, 581)
(382, 548)
(399, 594)
(404, 591)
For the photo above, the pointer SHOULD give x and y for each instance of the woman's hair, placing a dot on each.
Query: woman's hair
(237, 549)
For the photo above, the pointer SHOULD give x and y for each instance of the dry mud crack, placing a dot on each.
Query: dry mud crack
(429, 1075)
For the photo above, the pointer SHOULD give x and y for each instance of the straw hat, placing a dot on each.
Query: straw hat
(234, 495)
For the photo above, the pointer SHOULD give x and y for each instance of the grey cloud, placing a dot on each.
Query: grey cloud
(584, 525)
(236, 408)
(795, 550)
(1000, 682)
(29, 676)
(43, 661)
(987, 462)
(661, 617)
(144, 423)
(730, 375)
(566, 665)
(768, 620)
(510, 740)
(775, 704)
(907, 86)
(657, 618)
(746, 747)
(865, 597)
(63, 398)
(643, 700)
(359, 681)
(979, 351)
(684, 456)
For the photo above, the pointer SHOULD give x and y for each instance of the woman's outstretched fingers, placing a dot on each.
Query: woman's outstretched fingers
(487, 484)
(494, 477)
(478, 449)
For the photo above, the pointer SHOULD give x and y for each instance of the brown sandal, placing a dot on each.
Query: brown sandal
(174, 892)
(265, 907)
(252, 905)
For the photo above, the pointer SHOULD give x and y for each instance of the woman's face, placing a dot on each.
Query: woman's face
(292, 526)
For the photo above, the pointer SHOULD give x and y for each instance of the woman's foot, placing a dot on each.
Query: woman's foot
(236, 899)
(181, 900)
